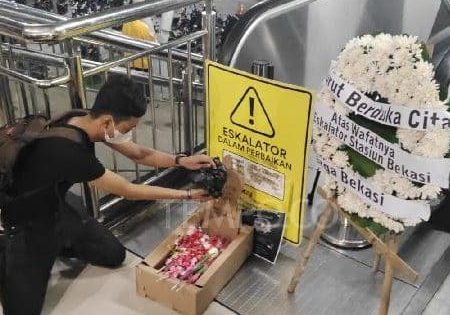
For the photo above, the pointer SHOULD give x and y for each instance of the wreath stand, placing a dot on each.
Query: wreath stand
(384, 248)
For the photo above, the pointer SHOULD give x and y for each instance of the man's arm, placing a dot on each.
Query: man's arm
(143, 155)
(112, 183)
(150, 157)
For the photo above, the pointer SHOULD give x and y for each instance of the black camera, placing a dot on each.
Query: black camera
(211, 179)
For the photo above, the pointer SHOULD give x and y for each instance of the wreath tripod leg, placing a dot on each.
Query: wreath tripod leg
(377, 258)
(301, 264)
(389, 271)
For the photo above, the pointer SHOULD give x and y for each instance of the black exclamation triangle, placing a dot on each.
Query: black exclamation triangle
(252, 109)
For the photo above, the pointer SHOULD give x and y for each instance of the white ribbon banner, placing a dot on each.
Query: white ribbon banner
(393, 115)
(386, 154)
(395, 207)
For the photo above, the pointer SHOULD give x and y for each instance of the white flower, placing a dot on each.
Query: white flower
(403, 187)
(383, 180)
(409, 138)
(353, 204)
(411, 222)
(424, 69)
(340, 159)
(387, 222)
(429, 191)
(326, 97)
(434, 144)
(328, 151)
(334, 143)
(213, 252)
(392, 66)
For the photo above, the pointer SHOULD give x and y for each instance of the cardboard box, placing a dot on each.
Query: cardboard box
(193, 299)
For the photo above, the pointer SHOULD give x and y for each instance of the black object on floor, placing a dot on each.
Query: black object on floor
(440, 217)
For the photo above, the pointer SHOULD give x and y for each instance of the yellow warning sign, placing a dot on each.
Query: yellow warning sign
(264, 126)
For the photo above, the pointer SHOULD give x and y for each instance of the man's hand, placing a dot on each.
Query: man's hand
(196, 162)
(198, 194)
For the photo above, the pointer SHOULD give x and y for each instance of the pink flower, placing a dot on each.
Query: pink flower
(192, 254)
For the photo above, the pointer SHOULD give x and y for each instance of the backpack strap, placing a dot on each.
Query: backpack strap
(61, 132)
(54, 129)
(64, 117)
(31, 129)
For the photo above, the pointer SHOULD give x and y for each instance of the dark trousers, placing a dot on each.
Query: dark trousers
(31, 249)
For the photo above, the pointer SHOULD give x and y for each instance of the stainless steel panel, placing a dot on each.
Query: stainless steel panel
(416, 243)
(432, 297)
(302, 42)
(332, 284)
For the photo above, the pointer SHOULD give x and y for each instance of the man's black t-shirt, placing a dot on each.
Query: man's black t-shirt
(46, 163)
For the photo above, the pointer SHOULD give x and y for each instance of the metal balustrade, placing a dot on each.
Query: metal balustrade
(42, 71)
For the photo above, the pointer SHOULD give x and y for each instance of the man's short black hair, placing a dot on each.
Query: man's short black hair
(120, 97)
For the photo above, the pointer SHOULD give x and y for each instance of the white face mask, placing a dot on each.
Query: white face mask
(119, 137)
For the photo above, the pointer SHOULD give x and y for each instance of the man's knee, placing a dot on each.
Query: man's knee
(99, 246)
(105, 253)
(115, 256)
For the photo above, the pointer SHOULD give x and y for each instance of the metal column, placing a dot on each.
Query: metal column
(76, 85)
(209, 51)
(6, 104)
(188, 108)
(209, 24)
(77, 94)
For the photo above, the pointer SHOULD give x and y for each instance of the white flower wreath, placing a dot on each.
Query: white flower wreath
(393, 68)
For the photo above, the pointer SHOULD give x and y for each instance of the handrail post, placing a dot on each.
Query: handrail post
(5, 113)
(209, 52)
(77, 94)
(6, 105)
(188, 106)
(209, 24)
(76, 85)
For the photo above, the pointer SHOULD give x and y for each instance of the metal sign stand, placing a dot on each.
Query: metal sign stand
(386, 249)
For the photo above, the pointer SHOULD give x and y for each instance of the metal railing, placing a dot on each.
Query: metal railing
(102, 37)
(59, 31)
(52, 43)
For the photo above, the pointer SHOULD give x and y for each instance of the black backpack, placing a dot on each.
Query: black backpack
(16, 136)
